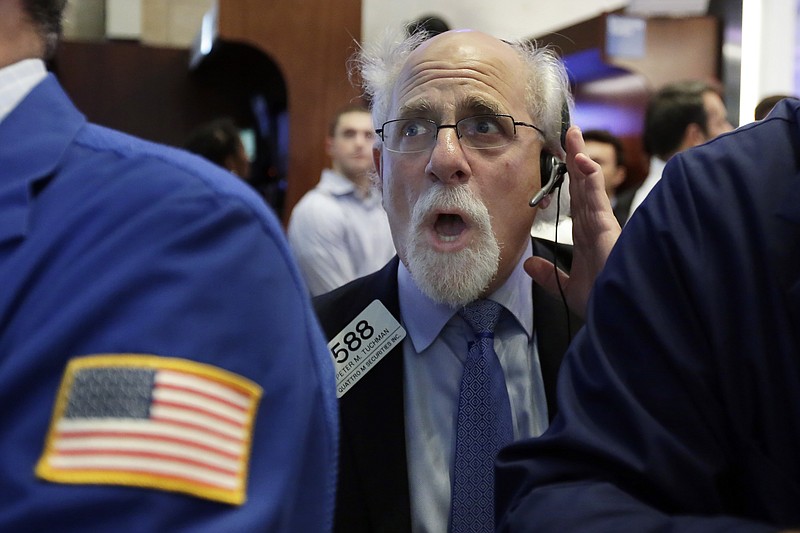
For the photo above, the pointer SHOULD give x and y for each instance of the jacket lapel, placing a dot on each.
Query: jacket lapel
(374, 469)
(33, 139)
(374, 472)
(554, 325)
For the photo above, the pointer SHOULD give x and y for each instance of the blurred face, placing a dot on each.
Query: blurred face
(717, 115)
(350, 148)
(604, 155)
(459, 216)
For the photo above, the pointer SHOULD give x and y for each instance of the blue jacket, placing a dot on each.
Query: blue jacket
(679, 403)
(112, 245)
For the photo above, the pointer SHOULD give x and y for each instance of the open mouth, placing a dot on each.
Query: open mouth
(449, 226)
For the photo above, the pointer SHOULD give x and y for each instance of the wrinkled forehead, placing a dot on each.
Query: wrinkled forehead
(487, 70)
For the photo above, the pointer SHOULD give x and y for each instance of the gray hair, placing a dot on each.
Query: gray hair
(547, 89)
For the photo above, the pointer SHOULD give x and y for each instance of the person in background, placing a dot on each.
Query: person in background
(467, 128)
(338, 230)
(429, 25)
(162, 368)
(679, 402)
(767, 103)
(219, 142)
(679, 116)
(605, 149)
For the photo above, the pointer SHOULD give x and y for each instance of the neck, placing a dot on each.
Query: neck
(362, 185)
(360, 179)
(18, 38)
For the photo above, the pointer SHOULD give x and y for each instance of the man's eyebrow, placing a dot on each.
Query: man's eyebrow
(481, 105)
(417, 108)
(471, 105)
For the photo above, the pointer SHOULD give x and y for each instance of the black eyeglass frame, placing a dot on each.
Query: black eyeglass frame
(438, 127)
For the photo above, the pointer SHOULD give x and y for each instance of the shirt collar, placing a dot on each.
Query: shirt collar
(337, 185)
(424, 319)
(16, 81)
(656, 166)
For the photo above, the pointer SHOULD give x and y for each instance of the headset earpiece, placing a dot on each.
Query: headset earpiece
(549, 165)
(546, 164)
(554, 169)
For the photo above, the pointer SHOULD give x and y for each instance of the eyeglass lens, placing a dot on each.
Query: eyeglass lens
(417, 134)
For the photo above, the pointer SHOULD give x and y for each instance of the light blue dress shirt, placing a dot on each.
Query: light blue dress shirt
(338, 236)
(434, 361)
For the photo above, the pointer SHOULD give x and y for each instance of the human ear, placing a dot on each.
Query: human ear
(377, 159)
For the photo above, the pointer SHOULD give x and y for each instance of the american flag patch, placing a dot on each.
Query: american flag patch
(155, 422)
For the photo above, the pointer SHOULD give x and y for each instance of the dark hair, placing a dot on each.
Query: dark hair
(216, 140)
(46, 15)
(670, 111)
(349, 108)
(430, 24)
(606, 137)
(765, 106)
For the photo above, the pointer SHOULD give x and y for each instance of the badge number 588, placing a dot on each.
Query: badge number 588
(363, 343)
(352, 341)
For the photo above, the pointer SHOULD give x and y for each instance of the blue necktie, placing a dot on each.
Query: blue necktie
(484, 424)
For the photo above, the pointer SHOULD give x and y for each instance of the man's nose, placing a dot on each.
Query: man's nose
(448, 162)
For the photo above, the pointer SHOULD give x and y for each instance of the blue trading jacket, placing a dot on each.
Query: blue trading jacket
(679, 402)
(151, 262)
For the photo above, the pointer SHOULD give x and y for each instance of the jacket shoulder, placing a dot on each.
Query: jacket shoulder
(335, 309)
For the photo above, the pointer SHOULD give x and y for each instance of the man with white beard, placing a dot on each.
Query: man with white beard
(467, 129)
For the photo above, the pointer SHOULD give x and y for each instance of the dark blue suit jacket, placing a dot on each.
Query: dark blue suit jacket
(372, 492)
(679, 403)
(109, 244)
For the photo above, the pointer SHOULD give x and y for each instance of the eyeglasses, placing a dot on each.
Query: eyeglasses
(410, 135)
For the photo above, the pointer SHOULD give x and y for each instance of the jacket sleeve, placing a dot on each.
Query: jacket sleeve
(149, 259)
(658, 395)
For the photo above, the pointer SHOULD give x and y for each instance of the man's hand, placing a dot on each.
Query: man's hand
(594, 229)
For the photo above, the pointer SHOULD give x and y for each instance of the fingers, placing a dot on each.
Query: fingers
(580, 166)
(587, 183)
(585, 165)
(543, 273)
(574, 142)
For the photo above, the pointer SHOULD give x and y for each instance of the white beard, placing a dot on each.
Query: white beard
(453, 278)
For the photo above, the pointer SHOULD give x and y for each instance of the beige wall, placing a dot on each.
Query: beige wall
(85, 20)
(177, 22)
(168, 23)
(172, 22)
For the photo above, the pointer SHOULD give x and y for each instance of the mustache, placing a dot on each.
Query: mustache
(451, 198)
(452, 278)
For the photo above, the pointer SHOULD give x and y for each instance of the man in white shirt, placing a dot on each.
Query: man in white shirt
(338, 231)
(679, 116)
